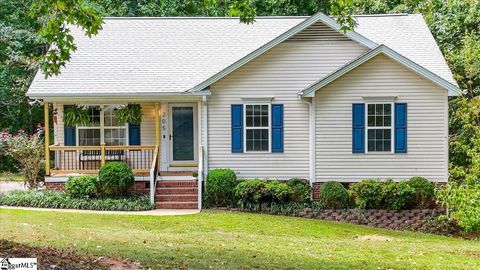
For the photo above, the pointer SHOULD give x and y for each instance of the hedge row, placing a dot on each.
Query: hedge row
(51, 199)
(223, 189)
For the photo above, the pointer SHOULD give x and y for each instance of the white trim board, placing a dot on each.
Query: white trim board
(382, 49)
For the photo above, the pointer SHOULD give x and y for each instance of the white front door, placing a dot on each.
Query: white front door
(183, 133)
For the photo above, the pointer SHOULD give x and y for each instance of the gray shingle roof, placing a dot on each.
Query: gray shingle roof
(172, 55)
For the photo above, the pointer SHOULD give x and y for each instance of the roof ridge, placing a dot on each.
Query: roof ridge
(200, 18)
(385, 15)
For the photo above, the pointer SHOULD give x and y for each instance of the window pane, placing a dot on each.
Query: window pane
(387, 109)
(379, 121)
(110, 116)
(371, 121)
(378, 109)
(89, 137)
(387, 121)
(94, 116)
(371, 109)
(257, 140)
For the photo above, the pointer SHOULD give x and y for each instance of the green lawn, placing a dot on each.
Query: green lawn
(238, 241)
(6, 176)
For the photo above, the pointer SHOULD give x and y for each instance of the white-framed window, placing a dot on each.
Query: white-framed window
(379, 124)
(257, 135)
(103, 128)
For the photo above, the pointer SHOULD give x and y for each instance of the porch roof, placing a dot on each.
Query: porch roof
(146, 57)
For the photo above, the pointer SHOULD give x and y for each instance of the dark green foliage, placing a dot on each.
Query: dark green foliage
(262, 191)
(300, 190)
(115, 179)
(424, 194)
(51, 199)
(132, 113)
(334, 195)
(396, 195)
(367, 194)
(81, 186)
(220, 186)
(76, 115)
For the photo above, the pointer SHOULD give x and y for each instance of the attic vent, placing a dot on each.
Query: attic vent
(319, 32)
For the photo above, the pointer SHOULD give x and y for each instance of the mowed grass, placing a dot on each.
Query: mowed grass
(237, 241)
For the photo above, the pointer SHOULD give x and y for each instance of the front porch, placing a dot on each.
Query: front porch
(166, 147)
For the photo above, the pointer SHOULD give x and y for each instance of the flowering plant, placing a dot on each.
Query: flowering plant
(28, 151)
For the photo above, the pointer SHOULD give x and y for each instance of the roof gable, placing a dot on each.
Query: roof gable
(382, 49)
(283, 37)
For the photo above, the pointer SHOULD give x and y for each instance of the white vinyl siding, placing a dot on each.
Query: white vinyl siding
(279, 73)
(427, 122)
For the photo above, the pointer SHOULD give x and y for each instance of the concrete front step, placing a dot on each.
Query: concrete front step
(176, 197)
(177, 205)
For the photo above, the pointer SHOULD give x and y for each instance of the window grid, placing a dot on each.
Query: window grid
(103, 127)
(257, 128)
(379, 127)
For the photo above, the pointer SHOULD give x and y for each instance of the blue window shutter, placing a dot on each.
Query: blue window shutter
(400, 127)
(69, 133)
(277, 128)
(358, 128)
(133, 134)
(237, 128)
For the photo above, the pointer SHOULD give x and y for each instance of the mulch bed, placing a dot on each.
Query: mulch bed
(51, 258)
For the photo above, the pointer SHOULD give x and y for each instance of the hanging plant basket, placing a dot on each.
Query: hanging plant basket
(132, 113)
(76, 116)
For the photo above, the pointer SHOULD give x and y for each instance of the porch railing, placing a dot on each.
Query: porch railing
(89, 159)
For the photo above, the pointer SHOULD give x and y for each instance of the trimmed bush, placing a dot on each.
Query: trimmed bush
(276, 191)
(81, 186)
(115, 179)
(257, 191)
(396, 195)
(219, 189)
(334, 195)
(368, 194)
(51, 199)
(424, 194)
(300, 190)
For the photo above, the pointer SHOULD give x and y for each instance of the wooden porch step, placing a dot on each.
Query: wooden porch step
(177, 205)
(176, 197)
(175, 183)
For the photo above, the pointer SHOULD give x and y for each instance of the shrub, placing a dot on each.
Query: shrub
(250, 191)
(28, 152)
(220, 187)
(334, 195)
(115, 179)
(424, 193)
(300, 190)
(462, 202)
(51, 199)
(396, 195)
(81, 186)
(367, 194)
(276, 191)
(257, 191)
